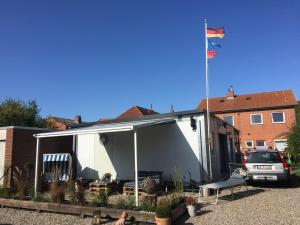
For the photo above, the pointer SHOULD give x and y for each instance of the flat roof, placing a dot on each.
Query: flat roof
(25, 128)
(105, 128)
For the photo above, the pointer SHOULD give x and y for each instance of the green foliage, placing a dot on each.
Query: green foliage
(125, 203)
(76, 195)
(14, 112)
(100, 199)
(175, 199)
(177, 179)
(21, 184)
(148, 205)
(5, 193)
(293, 139)
(163, 208)
(57, 192)
(41, 198)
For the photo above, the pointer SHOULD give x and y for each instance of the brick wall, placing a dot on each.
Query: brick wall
(267, 131)
(21, 147)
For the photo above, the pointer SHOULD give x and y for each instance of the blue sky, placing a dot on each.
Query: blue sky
(98, 58)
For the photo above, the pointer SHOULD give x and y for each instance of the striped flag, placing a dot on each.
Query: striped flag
(215, 32)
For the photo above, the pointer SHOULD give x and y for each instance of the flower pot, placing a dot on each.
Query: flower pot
(192, 210)
(163, 221)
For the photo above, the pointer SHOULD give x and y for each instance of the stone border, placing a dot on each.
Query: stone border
(141, 216)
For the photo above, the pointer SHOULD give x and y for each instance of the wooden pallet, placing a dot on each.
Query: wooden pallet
(99, 189)
(131, 191)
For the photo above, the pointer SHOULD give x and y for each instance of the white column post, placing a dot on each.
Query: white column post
(74, 158)
(36, 176)
(136, 169)
(207, 99)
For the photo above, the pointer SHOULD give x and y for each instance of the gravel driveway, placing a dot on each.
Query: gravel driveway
(265, 204)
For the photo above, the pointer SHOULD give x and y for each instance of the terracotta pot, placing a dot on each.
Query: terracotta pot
(163, 221)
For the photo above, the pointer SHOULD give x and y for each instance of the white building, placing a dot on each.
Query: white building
(153, 143)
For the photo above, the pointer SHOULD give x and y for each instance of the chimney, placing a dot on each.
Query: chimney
(230, 93)
(77, 119)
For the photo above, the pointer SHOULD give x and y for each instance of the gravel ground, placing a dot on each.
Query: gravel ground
(265, 204)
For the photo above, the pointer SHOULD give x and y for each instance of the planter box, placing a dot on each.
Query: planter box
(141, 216)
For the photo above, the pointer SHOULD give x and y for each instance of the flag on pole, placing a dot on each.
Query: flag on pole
(211, 53)
(215, 32)
(212, 44)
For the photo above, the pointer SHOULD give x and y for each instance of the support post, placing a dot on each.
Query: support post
(74, 158)
(207, 99)
(36, 175)
(136, 169)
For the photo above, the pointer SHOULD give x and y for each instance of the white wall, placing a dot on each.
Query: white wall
(2, 152)
(160, 148)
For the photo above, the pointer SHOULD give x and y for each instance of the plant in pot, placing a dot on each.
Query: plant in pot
(163, 212)
(191, 206)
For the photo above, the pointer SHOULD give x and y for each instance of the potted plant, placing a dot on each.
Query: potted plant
(163, 212)
(191, 206)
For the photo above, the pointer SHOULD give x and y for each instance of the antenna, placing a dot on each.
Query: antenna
(172, 108)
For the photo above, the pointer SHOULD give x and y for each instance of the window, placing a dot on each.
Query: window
(229, 120)
(249, 144)
(256, 118)
(278, 117)
(260, 143)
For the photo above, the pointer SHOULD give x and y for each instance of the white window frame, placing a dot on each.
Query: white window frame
(252, 145)
(283, 117)
(254, 114)
(232, 119)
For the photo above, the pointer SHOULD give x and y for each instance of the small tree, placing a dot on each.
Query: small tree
(293, 138)
(14, 112)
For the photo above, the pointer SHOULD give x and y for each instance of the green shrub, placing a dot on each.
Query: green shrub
(175, 199)
(177, 179)
(5, 193)
(163, 208)
(41, 198)
(100, 199)
(57, 193)
(148, 205)
(76, 195)
(125, 203)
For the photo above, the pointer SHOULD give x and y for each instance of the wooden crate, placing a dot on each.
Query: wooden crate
(131, 191)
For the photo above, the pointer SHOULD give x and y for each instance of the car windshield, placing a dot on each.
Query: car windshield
(263, 157)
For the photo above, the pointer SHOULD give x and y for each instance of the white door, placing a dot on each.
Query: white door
(2, 151)
(280, 145)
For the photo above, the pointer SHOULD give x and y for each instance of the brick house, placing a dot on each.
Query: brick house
(59, 123)
(263, 119)
(18, 146)
(134, 111)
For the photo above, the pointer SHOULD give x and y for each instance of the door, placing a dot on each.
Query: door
(2, 152)
(280, 145)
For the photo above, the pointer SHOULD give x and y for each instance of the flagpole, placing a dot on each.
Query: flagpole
(207, 96)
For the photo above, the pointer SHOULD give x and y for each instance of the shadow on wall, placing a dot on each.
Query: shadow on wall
(160, 148)
(87, 172)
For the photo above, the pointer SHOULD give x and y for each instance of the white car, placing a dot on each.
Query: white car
(266, 165)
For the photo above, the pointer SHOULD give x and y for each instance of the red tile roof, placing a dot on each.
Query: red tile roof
(283, 98)
(134, 111)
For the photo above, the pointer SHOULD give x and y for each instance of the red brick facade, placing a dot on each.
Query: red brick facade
(242, 106)
(268, 131)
